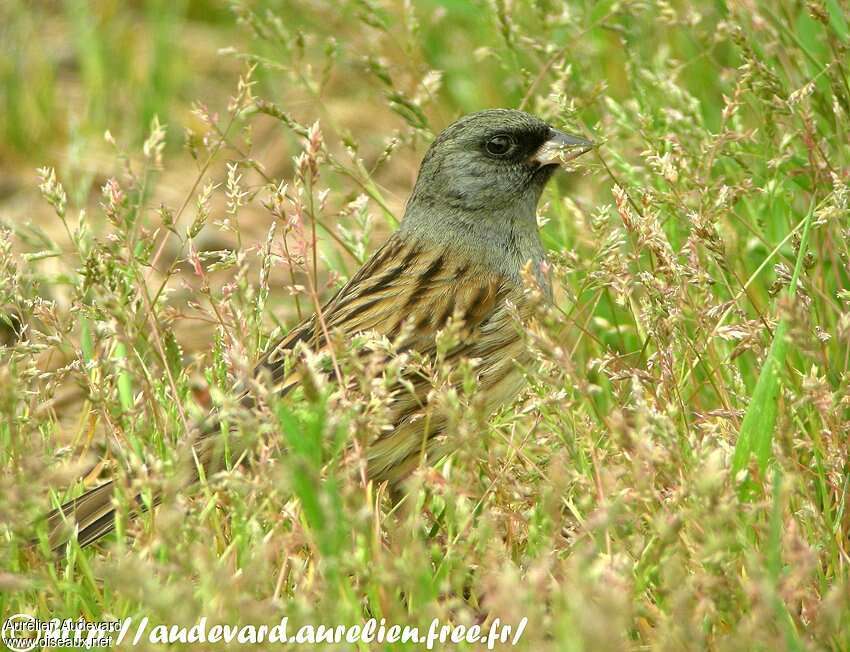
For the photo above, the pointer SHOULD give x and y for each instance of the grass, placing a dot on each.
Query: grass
(676, 475)
(759, 423)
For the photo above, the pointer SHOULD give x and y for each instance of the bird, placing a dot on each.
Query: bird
(468, 232)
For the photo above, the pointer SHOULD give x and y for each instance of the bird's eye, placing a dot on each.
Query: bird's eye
(499, 145)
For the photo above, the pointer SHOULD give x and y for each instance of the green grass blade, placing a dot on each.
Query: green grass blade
(759, 422)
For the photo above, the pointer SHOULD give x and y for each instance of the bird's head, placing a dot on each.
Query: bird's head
(492, 162)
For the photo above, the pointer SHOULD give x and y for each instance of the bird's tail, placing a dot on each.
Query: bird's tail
(91, 515)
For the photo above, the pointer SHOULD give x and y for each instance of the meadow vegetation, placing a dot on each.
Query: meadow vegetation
(183, 180)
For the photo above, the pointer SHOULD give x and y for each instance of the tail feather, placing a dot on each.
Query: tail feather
(79, 513)
(92, 515)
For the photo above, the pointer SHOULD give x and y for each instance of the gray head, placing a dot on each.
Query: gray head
(492, 160)
(482, 178)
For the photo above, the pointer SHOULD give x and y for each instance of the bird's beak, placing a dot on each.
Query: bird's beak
(561, 148)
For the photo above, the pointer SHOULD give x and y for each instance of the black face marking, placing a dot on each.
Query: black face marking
(516, 145)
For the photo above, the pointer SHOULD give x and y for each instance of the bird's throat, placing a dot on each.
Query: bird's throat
(503, 241)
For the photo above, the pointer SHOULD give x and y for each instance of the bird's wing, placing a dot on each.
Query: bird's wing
(403, 282)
